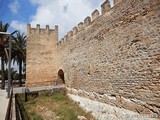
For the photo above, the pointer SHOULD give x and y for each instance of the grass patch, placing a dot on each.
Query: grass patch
(35, 116)
(53, 106)
(66, 114)
(59, 97)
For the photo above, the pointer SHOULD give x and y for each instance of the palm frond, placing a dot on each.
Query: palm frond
(5, 27)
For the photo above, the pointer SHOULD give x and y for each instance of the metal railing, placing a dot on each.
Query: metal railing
(21, 113)
(10, 107)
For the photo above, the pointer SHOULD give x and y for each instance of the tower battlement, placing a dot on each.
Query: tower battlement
(39, 30)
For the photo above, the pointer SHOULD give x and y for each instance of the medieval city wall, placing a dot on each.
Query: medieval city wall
(112, 57)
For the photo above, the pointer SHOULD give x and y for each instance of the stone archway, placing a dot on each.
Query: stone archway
(61, 75)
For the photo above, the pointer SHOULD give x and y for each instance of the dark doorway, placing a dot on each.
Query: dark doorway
(61, 75)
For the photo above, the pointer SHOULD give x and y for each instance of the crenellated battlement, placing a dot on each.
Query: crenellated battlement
(80, 26)
(75, 30)
(39, 30)
(87, 21)
(105, 8)
(65, 37)
(69, 34)
(95, 15)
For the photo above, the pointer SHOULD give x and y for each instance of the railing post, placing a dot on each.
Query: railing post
(26, 93)
(9, 66)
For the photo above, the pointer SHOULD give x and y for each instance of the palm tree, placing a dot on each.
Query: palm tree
(3, 50)
(19, 52)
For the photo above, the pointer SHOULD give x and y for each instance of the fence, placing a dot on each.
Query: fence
(21, 113)
(10, 108)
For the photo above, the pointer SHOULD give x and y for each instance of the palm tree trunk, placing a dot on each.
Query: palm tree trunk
(20, 73)
(3, 77)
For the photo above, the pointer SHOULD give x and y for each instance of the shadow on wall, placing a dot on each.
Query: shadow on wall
(61, 76)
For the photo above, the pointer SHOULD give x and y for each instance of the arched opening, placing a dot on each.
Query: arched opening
(61, 75)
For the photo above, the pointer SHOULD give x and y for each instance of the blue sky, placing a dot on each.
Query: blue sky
(16, 10)
(64, 13)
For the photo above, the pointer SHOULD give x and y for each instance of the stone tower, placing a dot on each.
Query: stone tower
(40, 64)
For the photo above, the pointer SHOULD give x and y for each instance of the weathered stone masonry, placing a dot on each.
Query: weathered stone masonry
(113, 58)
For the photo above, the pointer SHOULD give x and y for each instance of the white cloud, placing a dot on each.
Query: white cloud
(64, 13)
(17, 25)
(14, 6)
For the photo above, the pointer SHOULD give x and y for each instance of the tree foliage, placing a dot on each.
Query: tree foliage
(19, 52)
(3, 50)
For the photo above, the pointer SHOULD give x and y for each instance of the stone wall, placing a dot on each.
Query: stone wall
(114, 57)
